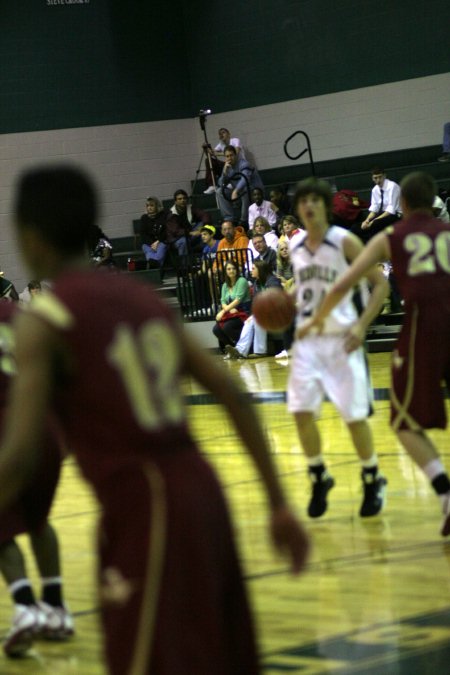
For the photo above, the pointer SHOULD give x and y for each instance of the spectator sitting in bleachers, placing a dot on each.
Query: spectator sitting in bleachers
(280, 204)
(152, 231)
(261, 226)
(31, 290)
(217, 156)
(253, 337)
(7, 289)
(234, 238)
(384, 206)
(264, 252)
(235, 306)
(440, 210)
(261, 208)
(210, 244)
(289, 227)
(445, 157)
(209, 252)
(284, 266)
(100, 249)
(184, 224)
(235, 164)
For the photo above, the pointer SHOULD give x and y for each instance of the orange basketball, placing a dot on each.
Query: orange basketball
(274, 309)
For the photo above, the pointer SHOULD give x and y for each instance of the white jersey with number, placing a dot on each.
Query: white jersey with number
(316, 272)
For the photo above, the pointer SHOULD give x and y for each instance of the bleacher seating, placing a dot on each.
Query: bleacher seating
(345, 173)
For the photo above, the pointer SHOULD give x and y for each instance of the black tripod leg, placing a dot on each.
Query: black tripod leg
(199, 168)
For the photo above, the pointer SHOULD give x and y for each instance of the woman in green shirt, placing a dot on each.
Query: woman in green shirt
(235, 302)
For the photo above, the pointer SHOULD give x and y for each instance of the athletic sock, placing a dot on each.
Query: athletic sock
(52, 591)
(433, 469)
(370, 466)
(316, 467)
(22, 592)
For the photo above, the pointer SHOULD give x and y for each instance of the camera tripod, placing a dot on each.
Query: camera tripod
(205, 152)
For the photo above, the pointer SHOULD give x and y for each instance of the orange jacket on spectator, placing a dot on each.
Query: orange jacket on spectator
(240, 241)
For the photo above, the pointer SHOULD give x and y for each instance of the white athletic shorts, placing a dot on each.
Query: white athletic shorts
(321, 367)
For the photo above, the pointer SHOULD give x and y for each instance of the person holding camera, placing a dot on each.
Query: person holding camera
(214, 163)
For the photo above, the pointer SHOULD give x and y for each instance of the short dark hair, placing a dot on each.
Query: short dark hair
(180, 192)
(258, 236)
(377, 170)
(317, 187)
(33, 284)
(224, 129)
(258, 189)
(418, 190)
(60, 201)
(229, 148)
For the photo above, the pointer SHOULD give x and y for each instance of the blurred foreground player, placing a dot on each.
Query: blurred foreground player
(33, 619)
(333, 363)
(419, 247)
(173, 601)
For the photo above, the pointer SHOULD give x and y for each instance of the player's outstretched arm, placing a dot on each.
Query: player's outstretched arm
(286, 531)
(29, 397)
(353, 249)
(363, 263)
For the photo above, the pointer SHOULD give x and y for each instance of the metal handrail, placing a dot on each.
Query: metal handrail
(307, 149)
(226, 190)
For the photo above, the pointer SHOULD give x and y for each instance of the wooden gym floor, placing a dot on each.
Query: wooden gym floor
(376, 594)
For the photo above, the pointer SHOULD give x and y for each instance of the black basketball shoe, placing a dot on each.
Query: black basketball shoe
(374, 494)
(321, 485)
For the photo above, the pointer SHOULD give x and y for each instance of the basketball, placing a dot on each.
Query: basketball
(274, 310)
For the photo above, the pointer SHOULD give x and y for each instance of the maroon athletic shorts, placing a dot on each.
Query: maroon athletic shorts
(173, 599)
(420, 366)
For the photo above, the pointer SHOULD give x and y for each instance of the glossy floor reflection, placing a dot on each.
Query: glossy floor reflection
(376, 595)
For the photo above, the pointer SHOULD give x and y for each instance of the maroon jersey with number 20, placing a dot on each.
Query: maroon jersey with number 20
(420, 253)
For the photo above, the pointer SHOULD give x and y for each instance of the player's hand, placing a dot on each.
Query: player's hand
(354, 338)
(154, 246)
(235, 194)
(309, 326)
(219, 315)
(290, 538)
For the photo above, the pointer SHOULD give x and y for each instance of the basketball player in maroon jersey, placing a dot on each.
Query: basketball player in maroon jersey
(32, 619)
(110, 355)
(419, 247)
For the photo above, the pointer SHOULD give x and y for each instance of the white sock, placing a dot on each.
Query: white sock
(47, 581)
(370, 463)
(17, 585)
(315, 461)
(433, 469)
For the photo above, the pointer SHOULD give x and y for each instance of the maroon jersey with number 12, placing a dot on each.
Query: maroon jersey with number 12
(173, 597)
(420, 253)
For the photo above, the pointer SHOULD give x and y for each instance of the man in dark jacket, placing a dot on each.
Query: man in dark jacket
(184, 224)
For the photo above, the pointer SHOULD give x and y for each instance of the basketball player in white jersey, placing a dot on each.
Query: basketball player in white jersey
(332, 363)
